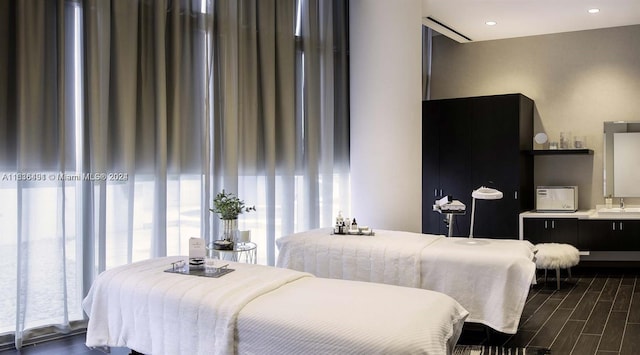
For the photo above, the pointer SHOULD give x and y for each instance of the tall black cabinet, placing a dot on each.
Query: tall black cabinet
(473, 142)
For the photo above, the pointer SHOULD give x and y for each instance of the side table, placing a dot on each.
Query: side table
(242, 252)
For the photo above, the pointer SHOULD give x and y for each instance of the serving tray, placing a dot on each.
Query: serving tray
(217, 272)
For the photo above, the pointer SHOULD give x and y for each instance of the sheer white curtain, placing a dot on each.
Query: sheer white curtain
(120, 120)
(281, 127)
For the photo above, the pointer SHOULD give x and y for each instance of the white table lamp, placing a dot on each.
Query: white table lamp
(482, 193)
(244, 236)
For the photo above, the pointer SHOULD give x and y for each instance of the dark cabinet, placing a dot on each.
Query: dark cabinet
(442, 159)
(551, 230)
(474, 142)
(609, 235)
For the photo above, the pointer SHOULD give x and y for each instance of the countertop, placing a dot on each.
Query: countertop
(580, 214)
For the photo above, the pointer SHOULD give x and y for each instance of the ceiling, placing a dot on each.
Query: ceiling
(458, 19)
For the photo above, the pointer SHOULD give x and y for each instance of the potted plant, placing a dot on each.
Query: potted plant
(228, 206)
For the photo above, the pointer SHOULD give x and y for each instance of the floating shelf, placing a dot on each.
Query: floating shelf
(561, 152)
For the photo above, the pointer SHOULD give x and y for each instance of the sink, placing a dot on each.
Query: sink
(620, 212)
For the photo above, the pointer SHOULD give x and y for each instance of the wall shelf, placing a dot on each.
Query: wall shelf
(561, 152)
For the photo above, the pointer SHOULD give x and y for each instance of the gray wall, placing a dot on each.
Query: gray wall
(578, 80)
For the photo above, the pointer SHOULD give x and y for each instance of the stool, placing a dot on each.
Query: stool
(556, 256)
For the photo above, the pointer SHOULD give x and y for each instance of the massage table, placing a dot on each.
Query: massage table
(490, 278)
(259, 309)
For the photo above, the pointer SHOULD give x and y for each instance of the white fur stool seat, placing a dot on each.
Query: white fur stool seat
(556, 256)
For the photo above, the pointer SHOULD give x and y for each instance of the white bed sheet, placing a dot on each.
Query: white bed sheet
(258, 309)
(491, 279)
(353, 318)
(388, 257)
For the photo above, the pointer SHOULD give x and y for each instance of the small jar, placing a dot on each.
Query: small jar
(579, 142)
(565, 138)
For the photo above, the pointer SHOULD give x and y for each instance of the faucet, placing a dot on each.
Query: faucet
(621, 202)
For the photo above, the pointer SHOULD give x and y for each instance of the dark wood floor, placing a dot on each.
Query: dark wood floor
(597, 312)
(71, 345)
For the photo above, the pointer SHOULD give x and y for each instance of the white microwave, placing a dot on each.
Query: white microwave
(556, 198)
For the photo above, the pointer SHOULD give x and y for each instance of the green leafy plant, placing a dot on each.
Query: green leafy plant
(229, 206)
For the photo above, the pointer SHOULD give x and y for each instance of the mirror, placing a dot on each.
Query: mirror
(621, 159)
(540, 138)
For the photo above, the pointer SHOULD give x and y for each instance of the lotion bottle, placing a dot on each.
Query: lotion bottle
(608, 201)
(339, 221)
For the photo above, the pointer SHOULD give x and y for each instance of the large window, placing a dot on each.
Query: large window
(120, 121)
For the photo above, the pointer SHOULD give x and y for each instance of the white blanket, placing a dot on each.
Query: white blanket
(155, 312)
(259, 309)
(491, 279)
(388, 257)
(324, 316)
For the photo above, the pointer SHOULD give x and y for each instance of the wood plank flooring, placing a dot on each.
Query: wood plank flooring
(597, 312)
(70, 345)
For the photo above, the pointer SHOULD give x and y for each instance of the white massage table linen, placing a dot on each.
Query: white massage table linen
(490, 278)
(324, 316)
(155, 312)
(264, 310)
(388, 257)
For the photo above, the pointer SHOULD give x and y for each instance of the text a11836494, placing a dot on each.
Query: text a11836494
(63, 176)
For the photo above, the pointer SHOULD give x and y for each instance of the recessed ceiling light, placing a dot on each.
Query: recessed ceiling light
(491, 23)
(594, 11)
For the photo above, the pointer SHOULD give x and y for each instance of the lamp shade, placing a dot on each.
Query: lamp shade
(482, 193)
(486, 193)
(244, 236)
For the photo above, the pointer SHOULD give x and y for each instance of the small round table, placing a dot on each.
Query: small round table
(241, 251)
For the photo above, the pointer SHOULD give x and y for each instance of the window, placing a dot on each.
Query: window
(114, 156)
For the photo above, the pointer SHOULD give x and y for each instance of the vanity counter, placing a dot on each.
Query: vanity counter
(610, 236)
(580, 214)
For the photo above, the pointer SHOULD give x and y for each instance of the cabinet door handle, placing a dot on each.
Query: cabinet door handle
(515, 195)
(620, 225)
(545, 224)
(553, 224)
(614, 225)
(435, 192)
